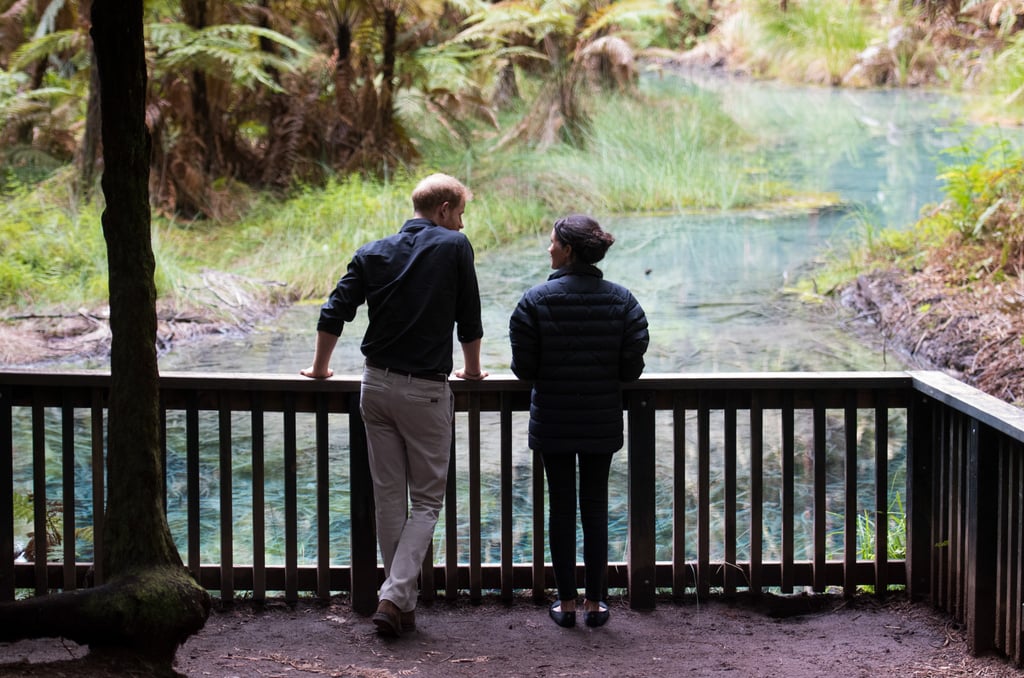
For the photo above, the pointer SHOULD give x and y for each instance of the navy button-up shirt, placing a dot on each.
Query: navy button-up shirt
(419, 285)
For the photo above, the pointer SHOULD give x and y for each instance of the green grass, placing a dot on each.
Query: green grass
(53, 247)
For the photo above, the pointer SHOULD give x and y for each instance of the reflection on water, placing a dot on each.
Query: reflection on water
(712, 286)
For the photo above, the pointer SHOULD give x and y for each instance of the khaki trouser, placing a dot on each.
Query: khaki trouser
(409, 435)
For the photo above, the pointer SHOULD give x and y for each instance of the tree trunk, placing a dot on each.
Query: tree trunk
(151, 604)
(89, 151)
(135, 474)
(386, 112)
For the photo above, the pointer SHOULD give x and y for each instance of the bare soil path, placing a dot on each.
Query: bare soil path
(767, 638)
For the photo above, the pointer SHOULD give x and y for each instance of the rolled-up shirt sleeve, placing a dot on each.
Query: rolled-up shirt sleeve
(468, 318)
(341, 305)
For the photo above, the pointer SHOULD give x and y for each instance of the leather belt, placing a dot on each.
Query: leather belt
(429, 376)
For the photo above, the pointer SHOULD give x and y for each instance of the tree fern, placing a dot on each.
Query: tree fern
(228, 52)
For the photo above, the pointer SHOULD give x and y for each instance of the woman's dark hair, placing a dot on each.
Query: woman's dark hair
(585, 236)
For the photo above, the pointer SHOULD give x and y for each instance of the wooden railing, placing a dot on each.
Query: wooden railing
(734, 481)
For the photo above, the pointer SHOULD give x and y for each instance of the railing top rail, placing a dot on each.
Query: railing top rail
(282, 391)
(495, 382)
(772, 380)
(989, 410)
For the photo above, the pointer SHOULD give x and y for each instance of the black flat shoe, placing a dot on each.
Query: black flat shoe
(597, 618)
(564, 619)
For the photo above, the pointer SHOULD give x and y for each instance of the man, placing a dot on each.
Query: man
(419, 285)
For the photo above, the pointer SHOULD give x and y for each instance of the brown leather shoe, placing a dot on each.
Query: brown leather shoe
(408, 620)
(388, 618)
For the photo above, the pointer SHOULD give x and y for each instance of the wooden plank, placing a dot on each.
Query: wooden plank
(162, 435)
(428, 578)
(39, 496)
(507, 516)
(475, 513)
(6, 498)
(820, 487)
(882, 501)
(323, 499)
(729, 462)
(99, 505)
(850, 508)
(958, 511)
(192, 481)
(365, 577)
(68, 547)
(1014, 645)
(980, 529)
(920, 456)
(703, 498)
(291, 514)
(788, 452)
(259, 501)
(227, 537)
(756, 492)
(680, 570)
(940, 511)
(1003, 548)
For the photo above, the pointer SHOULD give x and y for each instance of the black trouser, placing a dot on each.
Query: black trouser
(561, 473)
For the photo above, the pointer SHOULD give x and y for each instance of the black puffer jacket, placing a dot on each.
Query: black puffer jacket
(577, 337)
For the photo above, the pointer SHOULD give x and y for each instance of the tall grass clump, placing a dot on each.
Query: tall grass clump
(812, 41)
(665, 154)
(655, 150)
(53, 249)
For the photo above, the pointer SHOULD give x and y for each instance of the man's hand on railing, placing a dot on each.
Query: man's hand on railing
(471, 376)
(312, 373)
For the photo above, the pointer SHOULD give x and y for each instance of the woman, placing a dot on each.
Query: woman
(577, 337)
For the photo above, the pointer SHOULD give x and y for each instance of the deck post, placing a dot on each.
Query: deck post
(642, 505)
(364, 528)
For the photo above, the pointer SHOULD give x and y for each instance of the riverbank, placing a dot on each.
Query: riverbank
(222, 303)
(973, 334)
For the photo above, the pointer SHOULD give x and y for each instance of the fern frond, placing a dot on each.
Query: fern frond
(628, 13)
(31, 106)
(47, 45)
(469, 7)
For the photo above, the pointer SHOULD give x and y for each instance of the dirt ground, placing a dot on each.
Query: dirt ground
(830, 636)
